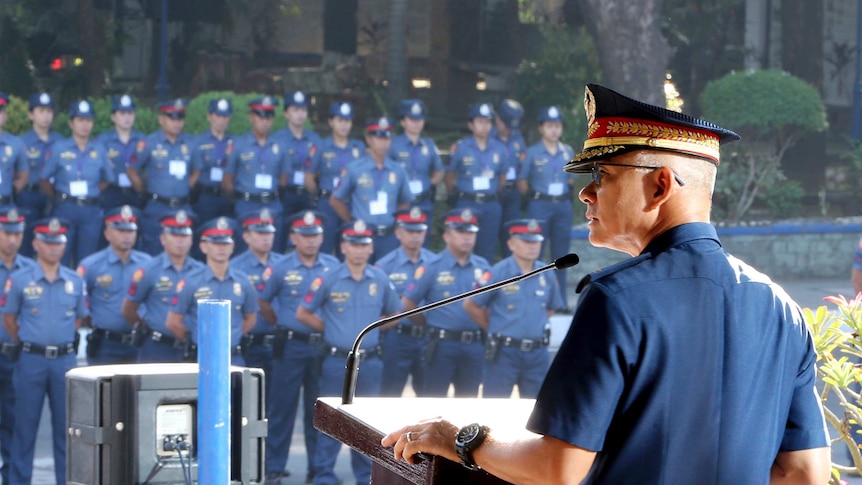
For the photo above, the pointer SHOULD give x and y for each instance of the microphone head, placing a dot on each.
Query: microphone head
(566, 261)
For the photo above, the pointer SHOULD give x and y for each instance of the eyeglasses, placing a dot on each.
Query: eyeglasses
(597, 174)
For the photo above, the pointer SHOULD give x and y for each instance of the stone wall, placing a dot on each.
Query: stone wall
(793, 250)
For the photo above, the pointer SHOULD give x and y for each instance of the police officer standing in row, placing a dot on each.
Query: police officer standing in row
(475, 174)
(43, 306)
(13, 160)
(32, 202)
(107, 275)
(340, 304)
(418, 156)
(516, 317)
(333, 156)
(258, 232)
(121, 143)
(404, 342)
(215, 280)
(154, 286)
(209, 162)
(296, 347)
(11, 234)
(548, 188)
(74, 176)
(374, 187)
(454, 351)
(507, 131)
(300, 146)
(160, 171)
(256, 168)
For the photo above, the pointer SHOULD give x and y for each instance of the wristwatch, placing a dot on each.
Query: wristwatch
(467, 440)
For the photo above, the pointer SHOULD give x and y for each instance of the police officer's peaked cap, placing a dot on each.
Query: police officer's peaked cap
(175, 108)
(218, 231)
(295, 98)
(124, 218)
(51, 230)
(122, 103)
(263, 106)
(220, 106)
(481, 110)
(81, 109)
(381, 127)
(550, 113)
(11, 219)
(412, 219)
(258, 221)
(341, 109)
(526, 229)
(461, 220)
(307, 223)
(510, 112)
(357, 232)
(179, 223)
(412, 108)
(617, 124)
(41, 99)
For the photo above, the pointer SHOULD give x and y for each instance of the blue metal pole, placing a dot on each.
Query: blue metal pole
(856, 119)
(162, 86)
(214, 392)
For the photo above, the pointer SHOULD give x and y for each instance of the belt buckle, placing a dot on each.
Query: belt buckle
(315, 338)
(52, 351)
(268, 340)
(480, 197)
(467, 337)
(527, 345)
(381, 231)
(156, 336)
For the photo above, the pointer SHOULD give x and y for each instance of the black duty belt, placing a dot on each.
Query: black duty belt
(264, 339)
(123, 337)
(522, 344)
(461, 336)
(48, 351)
(314, 338)
(552, 198)
(211, 190)
(8, 348)
(172, 202)
(478, 197)
(263, 197)
(123, 190)
(415, 331)
(234, 350)
(161, 338)
(81, 201)
(381, 231)
(296, 189)
(362, 354)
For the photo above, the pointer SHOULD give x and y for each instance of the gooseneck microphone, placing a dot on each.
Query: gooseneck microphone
(352, 365)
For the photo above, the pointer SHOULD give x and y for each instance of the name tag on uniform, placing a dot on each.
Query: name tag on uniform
(216, 174)
(298, 178)
(78, 188)
(379, 206)
(123, 180)
(510, 174)
(415, 186)
(555, 188)
(177, 168)
(481, 183)
(263, 181)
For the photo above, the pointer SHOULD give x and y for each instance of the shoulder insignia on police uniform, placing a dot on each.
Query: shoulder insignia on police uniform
(141, 145)
(180, 285)
(267, 273)
(81, 270)
(315, 285)
(419, 272)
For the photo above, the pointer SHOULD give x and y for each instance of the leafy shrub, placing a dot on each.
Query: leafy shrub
(196, 112)
(17, 119)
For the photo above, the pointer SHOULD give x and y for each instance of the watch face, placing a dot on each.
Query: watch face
(468, 433)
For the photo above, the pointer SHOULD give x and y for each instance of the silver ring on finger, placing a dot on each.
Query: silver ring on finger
(409, 436)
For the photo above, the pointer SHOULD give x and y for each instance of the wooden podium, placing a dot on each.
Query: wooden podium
(363, 424)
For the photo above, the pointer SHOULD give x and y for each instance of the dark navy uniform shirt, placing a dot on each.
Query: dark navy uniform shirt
(167, 165)
(37, 151)
(683, 365)
(544, 172)
(478, 171)
(256, 169)
(403, 272)
(299, 153)
(107, 280)
(374, 193)
(289, 284)
(210, 157)
(119, 153)
(516, 146)
(258, 274)
(444, 277)
(202, 284)
(154, 285)
(347, 306)
(331, 160)
(46, 310)
(78, 172)
(20, 262)
(13, 159)
(419, 160)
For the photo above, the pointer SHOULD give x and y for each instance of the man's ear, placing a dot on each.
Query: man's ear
(663, 186)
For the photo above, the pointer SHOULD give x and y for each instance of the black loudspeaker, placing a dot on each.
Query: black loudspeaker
(124, 424)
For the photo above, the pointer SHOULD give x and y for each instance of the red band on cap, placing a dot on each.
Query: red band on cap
(302, 223)
(119, 218)
(47, 230)
(524, 230)
(217, 232)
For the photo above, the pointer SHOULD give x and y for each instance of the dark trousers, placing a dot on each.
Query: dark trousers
(512, 366)
(85, 224)
(402, 358)
(557, 229)
(454, 363)
(107, 351)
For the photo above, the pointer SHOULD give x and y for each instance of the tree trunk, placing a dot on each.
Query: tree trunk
(632, 50)
(92, 48)
(396, 62)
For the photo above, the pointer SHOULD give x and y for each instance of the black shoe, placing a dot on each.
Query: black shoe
(273, 479)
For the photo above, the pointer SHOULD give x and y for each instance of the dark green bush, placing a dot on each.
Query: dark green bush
(196, 112)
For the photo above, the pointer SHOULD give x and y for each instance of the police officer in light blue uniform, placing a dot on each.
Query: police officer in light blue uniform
(32, 202)
(14, 168)
(121, 143)
(164, 158)
(300, 145)
(209, 162)
(257, 167)
(107, 275)
(418, 156)
(375, 187)
(549, 189)
(75, 175)
(219, 281)
(516, 317)
(403, 343)
(476, 172)
(154, 285)
(454, 351)
(507, 130)
(11, 234)
(42, 306)
(258, 231)
(296, 347)
(333, 156)
(341, 303)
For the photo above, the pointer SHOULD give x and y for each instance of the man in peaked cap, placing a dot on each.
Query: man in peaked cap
(418, 156)
(300, 145)
(120, 143)
(107, 275)
(507, 129)
(209, 162)
(43, 306)
(681, 303)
